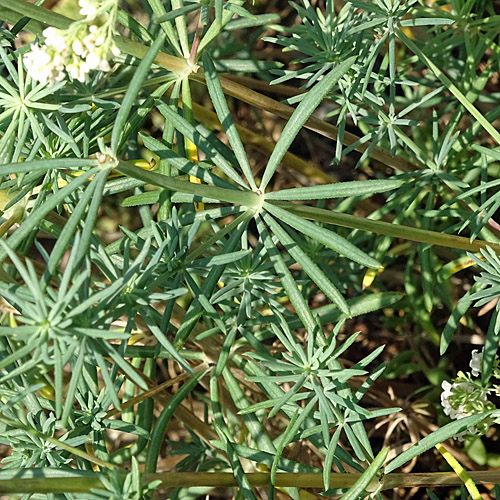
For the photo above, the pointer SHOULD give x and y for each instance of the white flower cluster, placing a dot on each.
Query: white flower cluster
(465, 397)
(46, 64)
(83, 47)
(459, 409)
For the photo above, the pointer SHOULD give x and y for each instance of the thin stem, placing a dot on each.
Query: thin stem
(395, 230)
(196, 42)
(246, 198)
(40, 481)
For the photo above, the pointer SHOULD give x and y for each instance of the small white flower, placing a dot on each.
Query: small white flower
(77, 47)
(104, 65)
(88, 9)
(55, 39)
(475, 362)
(446, 386)
(42, 67)
(93, 60)
(78, 70)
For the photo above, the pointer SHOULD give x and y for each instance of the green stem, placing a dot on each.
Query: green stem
(158, 432)
(246, 198)
(58, 481)
(394, 230)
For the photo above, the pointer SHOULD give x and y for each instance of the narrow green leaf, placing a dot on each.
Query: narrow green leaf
(355, 492)
(353, 440)
(494, 153)
(260, 20)
(453, 321)
(339, 190)
(95, 204)
(122, 426)
(294, 425)
(181, 26)
(220, 260)
(490, 349)
(159, 10)
(163, 340)
(308, 265)
(289, 394)
(181, 11)
(127, 368)
(442, 434)
(427, 21)
(327, 238)
(19, 353)
(224, 353)
(147, 198)
(300, 116)
(49, 164)
(132, 92)
(76, 371)
(225, 118)
(244, 484)
(289, 284)
(253, 424)
(330, 454)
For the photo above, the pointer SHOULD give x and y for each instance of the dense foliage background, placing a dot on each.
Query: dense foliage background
(249, 250)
